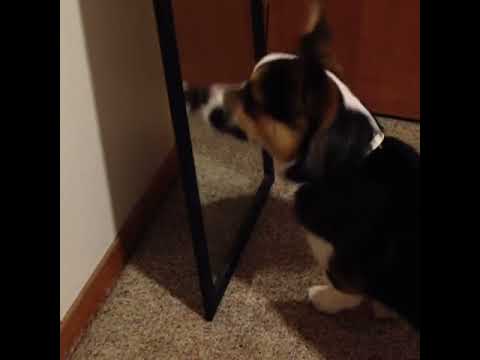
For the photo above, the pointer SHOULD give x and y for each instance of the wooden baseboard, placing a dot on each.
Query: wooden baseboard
(98, 287)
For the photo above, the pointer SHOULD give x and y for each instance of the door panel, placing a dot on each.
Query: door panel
(375, 42)
(214, 40)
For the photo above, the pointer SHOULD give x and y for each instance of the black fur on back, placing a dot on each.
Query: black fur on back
(334, 152)
(371, 217)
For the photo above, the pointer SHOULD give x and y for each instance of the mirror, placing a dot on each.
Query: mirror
(226, 181)
(228, 173)
(215, 46)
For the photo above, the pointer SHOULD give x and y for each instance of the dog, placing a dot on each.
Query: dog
(359, 190)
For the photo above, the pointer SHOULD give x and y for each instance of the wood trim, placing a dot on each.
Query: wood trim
(99, 285)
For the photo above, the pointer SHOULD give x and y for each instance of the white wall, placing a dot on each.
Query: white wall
(114, 127)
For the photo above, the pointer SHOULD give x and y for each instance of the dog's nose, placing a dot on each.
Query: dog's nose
(196, 97)
(218, 118)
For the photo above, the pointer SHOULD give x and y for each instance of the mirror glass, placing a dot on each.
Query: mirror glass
(229, 171)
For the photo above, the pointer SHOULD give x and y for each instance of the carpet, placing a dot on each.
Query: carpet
(154, 311)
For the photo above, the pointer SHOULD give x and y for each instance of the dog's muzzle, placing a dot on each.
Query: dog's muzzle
(209, 103)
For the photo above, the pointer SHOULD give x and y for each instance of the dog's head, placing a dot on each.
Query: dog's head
(276, 105)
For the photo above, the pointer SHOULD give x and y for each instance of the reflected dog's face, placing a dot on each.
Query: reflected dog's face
(274, 107)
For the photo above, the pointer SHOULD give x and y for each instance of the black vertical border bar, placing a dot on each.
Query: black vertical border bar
(258, 29)
(173, 77)
(260, 49)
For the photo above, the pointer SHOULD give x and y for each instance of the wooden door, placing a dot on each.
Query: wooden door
(214, 39)
(376, 42)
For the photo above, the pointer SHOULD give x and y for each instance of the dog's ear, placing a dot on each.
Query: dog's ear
(316, 13)
(315, 56)
(315, 44)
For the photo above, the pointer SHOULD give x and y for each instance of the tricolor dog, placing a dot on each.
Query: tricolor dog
(359, 194)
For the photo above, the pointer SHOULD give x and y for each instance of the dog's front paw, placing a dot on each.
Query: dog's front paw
(318, 296)
(329, 300)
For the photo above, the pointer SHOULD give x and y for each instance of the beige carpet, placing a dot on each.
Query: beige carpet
(154, 311)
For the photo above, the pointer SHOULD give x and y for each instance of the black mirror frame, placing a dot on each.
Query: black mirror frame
(212, 293)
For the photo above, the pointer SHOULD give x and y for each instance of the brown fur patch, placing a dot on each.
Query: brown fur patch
(255, 85)
(281, 140)
(278, 139)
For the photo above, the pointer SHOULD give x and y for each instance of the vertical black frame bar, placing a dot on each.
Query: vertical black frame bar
(211, 294)
(178, 112)
(259, 50)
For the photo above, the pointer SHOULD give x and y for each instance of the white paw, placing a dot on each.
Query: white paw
(314, 291)
(329, 300)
